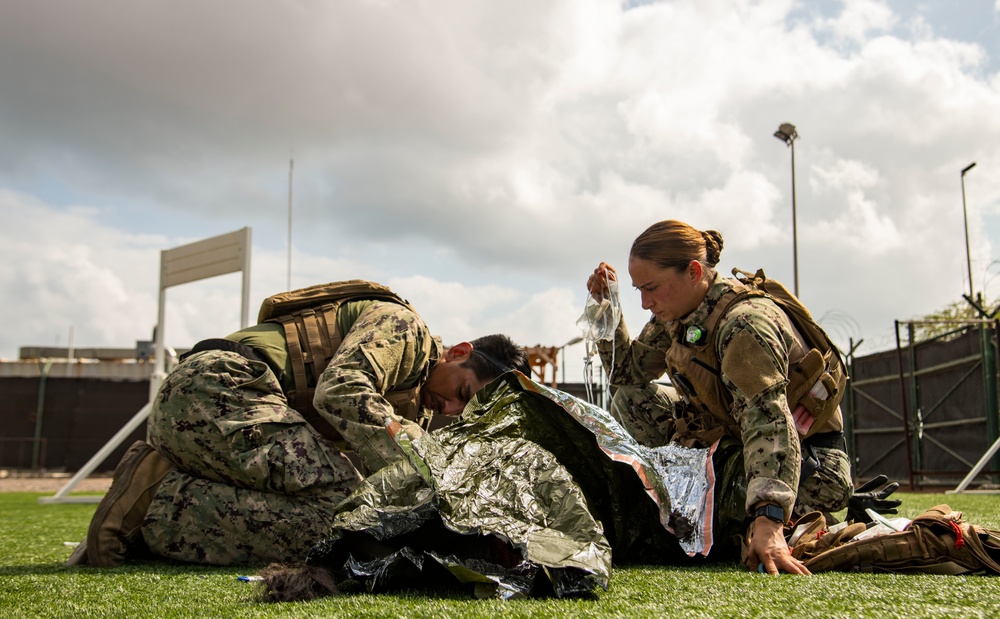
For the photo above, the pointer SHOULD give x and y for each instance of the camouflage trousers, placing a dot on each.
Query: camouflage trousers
(648, 413)
(254, 482)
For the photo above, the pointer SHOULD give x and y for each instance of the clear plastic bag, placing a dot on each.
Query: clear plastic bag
(600, 316)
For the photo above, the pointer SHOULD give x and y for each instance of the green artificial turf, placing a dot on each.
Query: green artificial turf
(34, 582)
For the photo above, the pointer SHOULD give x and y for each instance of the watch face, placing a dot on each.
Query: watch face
(771, 511)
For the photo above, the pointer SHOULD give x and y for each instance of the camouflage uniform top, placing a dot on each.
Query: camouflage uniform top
(771, 449)
(382, 351)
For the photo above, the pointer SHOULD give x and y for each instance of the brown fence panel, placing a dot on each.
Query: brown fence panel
(78, 416)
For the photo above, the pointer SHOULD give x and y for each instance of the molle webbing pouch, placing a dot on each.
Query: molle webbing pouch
(312, 337)
(821, 363)
(803, 374)
(939, 541)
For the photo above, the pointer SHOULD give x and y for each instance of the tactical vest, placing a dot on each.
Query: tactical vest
(693, 367)
(309, 318)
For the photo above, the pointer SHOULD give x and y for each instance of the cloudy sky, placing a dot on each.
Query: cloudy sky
(482, 157)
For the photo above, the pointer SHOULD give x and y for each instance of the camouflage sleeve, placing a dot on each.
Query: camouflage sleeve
(383, 351)
(754, 341)
(638, 362)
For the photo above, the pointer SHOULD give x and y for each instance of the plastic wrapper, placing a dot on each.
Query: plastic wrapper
(530, 492)
(600, 316)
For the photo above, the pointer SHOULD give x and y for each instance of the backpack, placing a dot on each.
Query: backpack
(938, 541)
(320, 294)
(822, 362)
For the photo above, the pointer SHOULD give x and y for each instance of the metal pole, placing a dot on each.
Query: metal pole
(291, 167)
(902, 394)
(563, 365)
(159, 352)
(245, 302)
(849, 402)
(916, 433)
(990, 352)
(795, 233)
(44, 368)
(965, 217)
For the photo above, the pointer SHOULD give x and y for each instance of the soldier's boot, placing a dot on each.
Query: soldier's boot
(116, 526)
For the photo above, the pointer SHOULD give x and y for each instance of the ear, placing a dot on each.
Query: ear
(695, 271)
(458, 352)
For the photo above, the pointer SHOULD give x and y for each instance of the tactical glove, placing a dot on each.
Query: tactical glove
(872, 495)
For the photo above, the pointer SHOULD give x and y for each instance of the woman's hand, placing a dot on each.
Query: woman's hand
(597, 283)
(767, 547)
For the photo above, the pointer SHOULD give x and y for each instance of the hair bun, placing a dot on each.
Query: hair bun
(713, 246)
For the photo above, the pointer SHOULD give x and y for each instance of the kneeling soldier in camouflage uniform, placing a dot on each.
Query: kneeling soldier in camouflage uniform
(246, 461)
(741, 374)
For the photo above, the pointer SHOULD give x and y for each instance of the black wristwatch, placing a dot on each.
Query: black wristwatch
(772, 511)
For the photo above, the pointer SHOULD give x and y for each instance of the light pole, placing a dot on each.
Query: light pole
(787, 134)
(965, 217)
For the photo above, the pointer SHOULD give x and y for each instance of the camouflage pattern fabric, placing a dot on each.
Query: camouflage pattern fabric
(254, 481)
(829, 488)
(754, 372)
(200, 521)
(382, 352)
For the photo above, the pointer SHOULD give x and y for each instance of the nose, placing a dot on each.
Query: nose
(647, 303)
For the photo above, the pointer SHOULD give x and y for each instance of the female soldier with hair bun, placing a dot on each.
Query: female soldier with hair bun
(728, 355)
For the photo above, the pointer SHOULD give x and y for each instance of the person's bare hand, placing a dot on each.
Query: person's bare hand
(597, 283)
(767, 547)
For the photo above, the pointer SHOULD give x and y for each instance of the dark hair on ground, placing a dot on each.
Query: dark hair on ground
(296, 583)
(498, 354)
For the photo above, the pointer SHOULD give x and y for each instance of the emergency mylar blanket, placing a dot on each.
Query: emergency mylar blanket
(529, 492)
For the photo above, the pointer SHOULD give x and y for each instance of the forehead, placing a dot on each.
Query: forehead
(644, 272)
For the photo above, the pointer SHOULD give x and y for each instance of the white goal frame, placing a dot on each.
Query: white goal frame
(218, 255)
